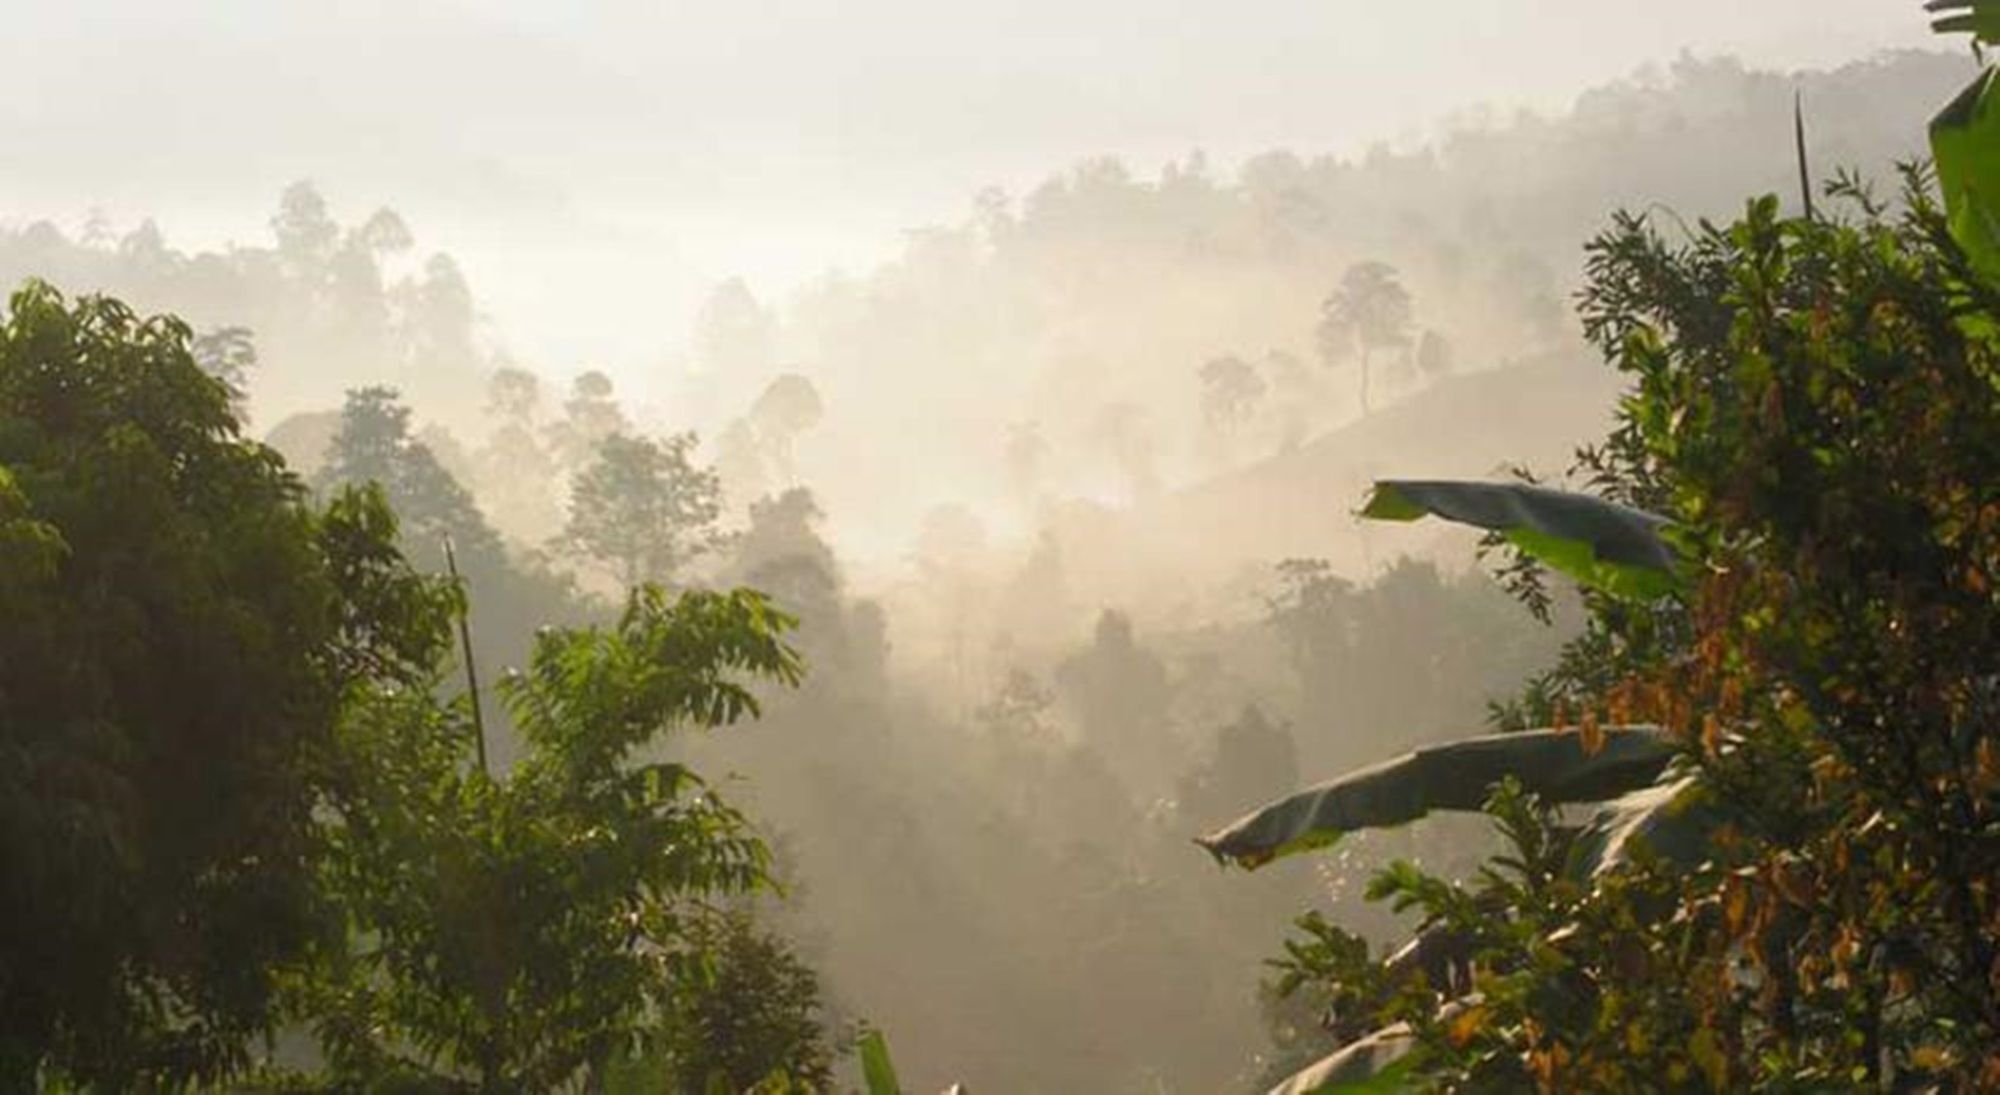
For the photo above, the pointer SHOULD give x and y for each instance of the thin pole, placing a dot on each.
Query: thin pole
(1799, 138)
(471, 667)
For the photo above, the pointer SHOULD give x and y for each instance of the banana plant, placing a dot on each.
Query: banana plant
(878, 1070)
(1965, 138)
(1643, 793)
(1645, 799)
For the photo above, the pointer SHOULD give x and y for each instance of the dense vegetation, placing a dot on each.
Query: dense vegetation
(1804, 900)
(242, 799)
(268, 830)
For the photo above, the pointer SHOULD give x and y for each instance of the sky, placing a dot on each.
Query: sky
(596, 166)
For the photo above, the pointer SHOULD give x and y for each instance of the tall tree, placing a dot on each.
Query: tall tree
(180, 628)
(228, 354)
(733, 334)
(374, 445)
(306, 233)
(515, 474)
(1370, 311)
(1118, 690)
(590, 414)
(643, 509)
(788, 407)
(1434, 357)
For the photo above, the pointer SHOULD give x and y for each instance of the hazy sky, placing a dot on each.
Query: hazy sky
(595, 165)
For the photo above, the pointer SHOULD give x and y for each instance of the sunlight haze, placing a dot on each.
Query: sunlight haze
(592, 162)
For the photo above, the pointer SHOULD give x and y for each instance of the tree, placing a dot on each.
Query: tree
(642, 510)
(306, 234)
(1370, 311)
(1434, 356)
(733, 334)
(1120, 431)
(1230, 391)
(590, 415)
(1118, 690)
(1026, 457)
(754, 1016)
(1250, 755)
(532, 931)
(788, 407)
(438, 319)
(516, 477)
(374, 445)
(514, 595)
(514, 396)
(228, 354)
(181, 629)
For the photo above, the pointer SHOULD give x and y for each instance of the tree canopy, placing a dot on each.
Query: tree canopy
(182, 627)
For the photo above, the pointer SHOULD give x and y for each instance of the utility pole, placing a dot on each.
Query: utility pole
(465, 643)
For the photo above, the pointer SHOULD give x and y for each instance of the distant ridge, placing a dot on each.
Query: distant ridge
(1300, 503)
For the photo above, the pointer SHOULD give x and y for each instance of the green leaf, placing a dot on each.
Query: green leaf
(1604, 545)
(1965, 143)
(1379, 1063)
(1456, 776)
(876, 1068)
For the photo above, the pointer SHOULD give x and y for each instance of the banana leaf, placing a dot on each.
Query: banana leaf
(1674, 820)
(1554, 764)
(1965, 143)
(1980, 18)
(877, 1070)
(1377, 1063)
(1615, 548)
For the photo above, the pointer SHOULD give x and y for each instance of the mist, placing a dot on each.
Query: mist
(1005, 342)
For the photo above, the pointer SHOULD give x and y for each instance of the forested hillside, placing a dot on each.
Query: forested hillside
(883, 674)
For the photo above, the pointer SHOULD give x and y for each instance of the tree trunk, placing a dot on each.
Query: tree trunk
(1364, 380)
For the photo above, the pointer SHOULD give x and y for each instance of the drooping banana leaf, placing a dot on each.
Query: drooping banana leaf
(1602, 544)
(1377, 1063)
(1980, 18)
(1675, 820)
(1554, 764)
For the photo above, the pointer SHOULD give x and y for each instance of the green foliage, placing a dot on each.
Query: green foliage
(745, 1018)
(1814, 406)
(231, 797)
(1605, 545)
(515, 934)
(181, 629)
(1965, 145)
(1520, 943)
(510, 596)
(642, 509)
